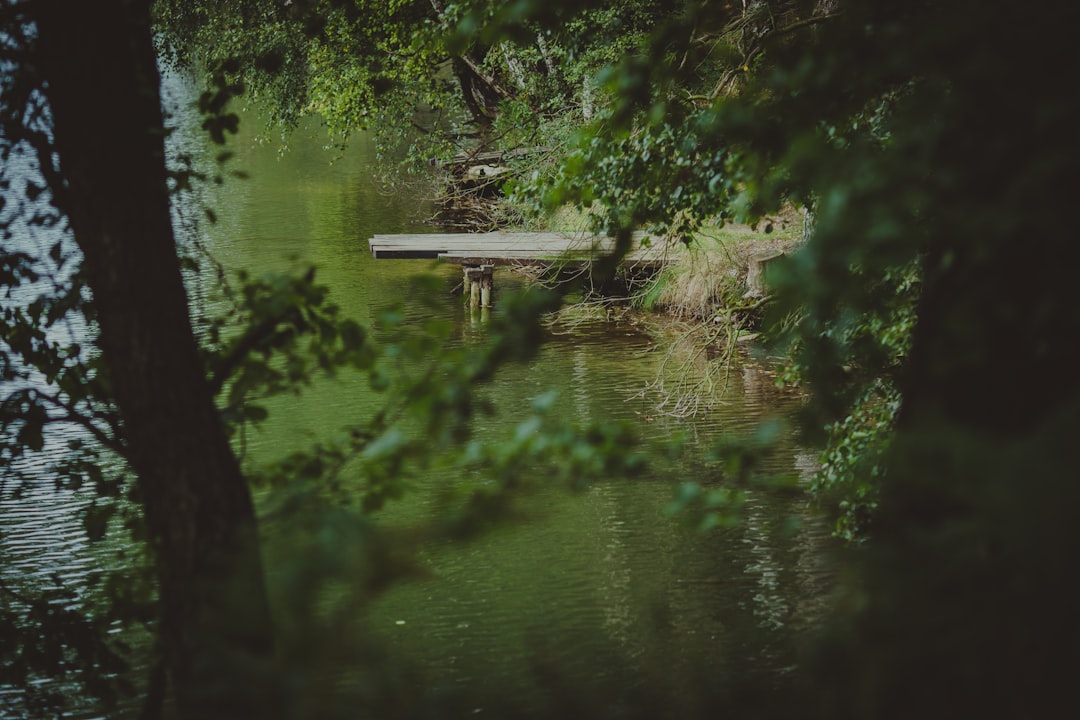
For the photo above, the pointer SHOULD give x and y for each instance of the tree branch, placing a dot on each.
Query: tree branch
(758, 44)
(77, 417)
(250, 340)
(491, 82)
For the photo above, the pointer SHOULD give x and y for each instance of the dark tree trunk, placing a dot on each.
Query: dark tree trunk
(994, 344)
(480, 92)
(964, 602)
(98, 61)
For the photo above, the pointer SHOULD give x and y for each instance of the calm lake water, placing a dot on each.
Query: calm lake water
(596, 600)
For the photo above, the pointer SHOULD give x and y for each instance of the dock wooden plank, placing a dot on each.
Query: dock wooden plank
(528, 258)
(515, 247)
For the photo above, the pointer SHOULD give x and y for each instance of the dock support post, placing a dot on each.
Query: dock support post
(487, 273)
(472, 286)
(756, 286)
(478, 284)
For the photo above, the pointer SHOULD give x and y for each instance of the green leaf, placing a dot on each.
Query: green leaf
(96, 520)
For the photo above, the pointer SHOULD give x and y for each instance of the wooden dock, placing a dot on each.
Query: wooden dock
(479, 253)
(516, 248)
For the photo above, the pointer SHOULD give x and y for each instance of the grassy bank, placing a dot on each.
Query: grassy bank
(707, 276)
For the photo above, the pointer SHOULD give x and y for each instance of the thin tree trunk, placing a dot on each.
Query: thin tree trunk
(481, 93)
(98, 61)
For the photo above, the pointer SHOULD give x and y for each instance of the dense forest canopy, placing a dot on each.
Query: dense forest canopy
(442, 70)
(931, 142)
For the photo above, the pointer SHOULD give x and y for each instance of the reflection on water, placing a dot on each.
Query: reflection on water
(590, 588)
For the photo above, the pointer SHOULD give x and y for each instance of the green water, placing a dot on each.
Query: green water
(598, 591)
(592, 602)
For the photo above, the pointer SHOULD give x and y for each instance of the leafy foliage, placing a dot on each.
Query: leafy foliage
(930, 159)
(272, 336)
(423, 75)
(918, 298)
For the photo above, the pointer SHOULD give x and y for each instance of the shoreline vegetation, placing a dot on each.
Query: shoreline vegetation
(711, 296)
(707, 276)
(713, 274)
(713, 289)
